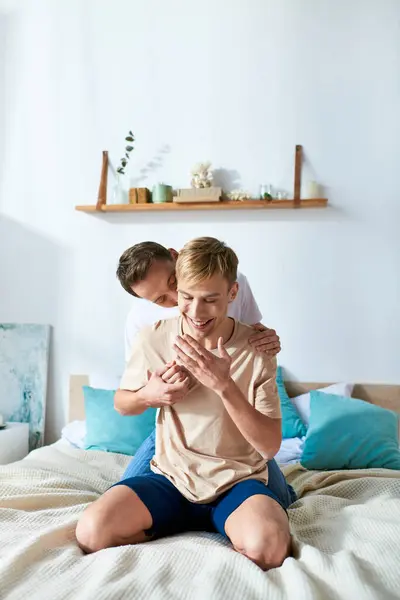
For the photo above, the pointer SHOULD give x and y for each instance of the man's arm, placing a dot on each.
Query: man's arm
(262, 432)
(265, 340)
(164, 388)
(129, 403)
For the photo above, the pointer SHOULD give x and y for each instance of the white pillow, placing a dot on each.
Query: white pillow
(290, 451)
(302, 402)
(74, 433)
(104, 382)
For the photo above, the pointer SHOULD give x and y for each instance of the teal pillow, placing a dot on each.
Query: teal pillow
(292, 425)
(109, 431)
(346, 433)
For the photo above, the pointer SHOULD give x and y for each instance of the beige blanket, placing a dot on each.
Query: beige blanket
(346, 529)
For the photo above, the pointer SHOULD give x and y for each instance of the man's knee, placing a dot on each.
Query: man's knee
(90, 533)
(267, 547)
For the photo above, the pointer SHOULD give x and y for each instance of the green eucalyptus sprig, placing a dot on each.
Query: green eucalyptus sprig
(128, 149)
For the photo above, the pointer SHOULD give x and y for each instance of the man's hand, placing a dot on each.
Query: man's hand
(210, 370)
(157, 393)
(173, 373)
(266, 340)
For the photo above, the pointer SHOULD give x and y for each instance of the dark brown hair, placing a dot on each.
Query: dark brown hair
(135, 263)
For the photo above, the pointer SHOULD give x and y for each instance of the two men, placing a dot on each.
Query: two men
(218, 424)
(147, 272)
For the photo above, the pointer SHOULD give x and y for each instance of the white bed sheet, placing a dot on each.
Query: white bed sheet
(346, 529)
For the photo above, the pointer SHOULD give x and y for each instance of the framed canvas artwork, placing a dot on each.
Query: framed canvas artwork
(24, 357)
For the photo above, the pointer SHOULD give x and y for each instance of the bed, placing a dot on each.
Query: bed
(345, 527)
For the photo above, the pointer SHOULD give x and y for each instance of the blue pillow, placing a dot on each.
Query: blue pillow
(107, 430)
(346, 433)
(292, 425)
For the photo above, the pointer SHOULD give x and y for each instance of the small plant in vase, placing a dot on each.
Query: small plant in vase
(119, 195)
(128, 149)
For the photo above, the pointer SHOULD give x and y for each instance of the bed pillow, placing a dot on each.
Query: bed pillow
(302, 402)
(292, 425)
(107, 430)
(75, 433)
(290, 451)
(104, 382)
(347, 433)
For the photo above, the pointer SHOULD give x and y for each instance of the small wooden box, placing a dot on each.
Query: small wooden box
(199, 195)
(139, 195)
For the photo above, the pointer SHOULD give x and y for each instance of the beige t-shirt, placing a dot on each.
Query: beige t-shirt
(198, 446)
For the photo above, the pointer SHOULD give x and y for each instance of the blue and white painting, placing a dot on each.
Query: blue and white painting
(24, 357)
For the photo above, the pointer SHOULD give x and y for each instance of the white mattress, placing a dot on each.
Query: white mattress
(346, 529)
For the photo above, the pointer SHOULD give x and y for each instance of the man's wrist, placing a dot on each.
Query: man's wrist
(142, 398)
(226, 388)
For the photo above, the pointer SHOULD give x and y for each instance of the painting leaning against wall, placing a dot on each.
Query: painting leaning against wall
(24, 357)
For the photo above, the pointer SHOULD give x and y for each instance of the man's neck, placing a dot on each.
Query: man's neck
(225, 330)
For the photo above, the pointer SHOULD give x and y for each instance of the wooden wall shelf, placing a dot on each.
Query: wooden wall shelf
(102, 207)
(222, 205)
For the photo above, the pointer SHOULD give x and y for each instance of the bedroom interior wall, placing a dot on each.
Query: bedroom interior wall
(239, 87)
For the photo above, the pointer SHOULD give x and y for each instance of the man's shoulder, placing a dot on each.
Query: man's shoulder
(244, 329)
(242, 281)
(158, 330)
(143, 313)
(244, 287)
(242, 334)
(261, 360)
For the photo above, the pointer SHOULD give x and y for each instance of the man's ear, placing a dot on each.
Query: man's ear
(173, 253)
(233, 291)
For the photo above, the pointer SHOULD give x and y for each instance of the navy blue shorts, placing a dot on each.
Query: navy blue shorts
(172, 513)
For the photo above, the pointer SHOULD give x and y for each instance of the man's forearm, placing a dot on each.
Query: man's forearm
(129, 403)
(262, 432)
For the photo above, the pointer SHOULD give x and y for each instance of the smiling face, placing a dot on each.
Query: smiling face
(159, 285)
(206, 270)
(204, 304)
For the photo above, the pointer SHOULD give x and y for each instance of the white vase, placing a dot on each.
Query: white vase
(119, 193)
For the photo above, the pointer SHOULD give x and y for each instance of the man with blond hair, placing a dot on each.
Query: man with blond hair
(216, 434)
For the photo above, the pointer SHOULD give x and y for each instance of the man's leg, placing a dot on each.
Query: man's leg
(140, 463)
(252, 515)
(132, 511)
(117, 518)
(259, 529)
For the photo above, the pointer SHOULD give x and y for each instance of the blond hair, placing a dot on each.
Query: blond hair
(204, 257)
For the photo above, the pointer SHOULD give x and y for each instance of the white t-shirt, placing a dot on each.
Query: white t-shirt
(144, 313)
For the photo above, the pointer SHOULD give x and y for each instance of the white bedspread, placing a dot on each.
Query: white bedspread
(346, 529)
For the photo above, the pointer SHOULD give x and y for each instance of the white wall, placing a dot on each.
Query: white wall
(239, 86)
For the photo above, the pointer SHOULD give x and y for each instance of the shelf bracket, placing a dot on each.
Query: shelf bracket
(102, 195)
(298, 162)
